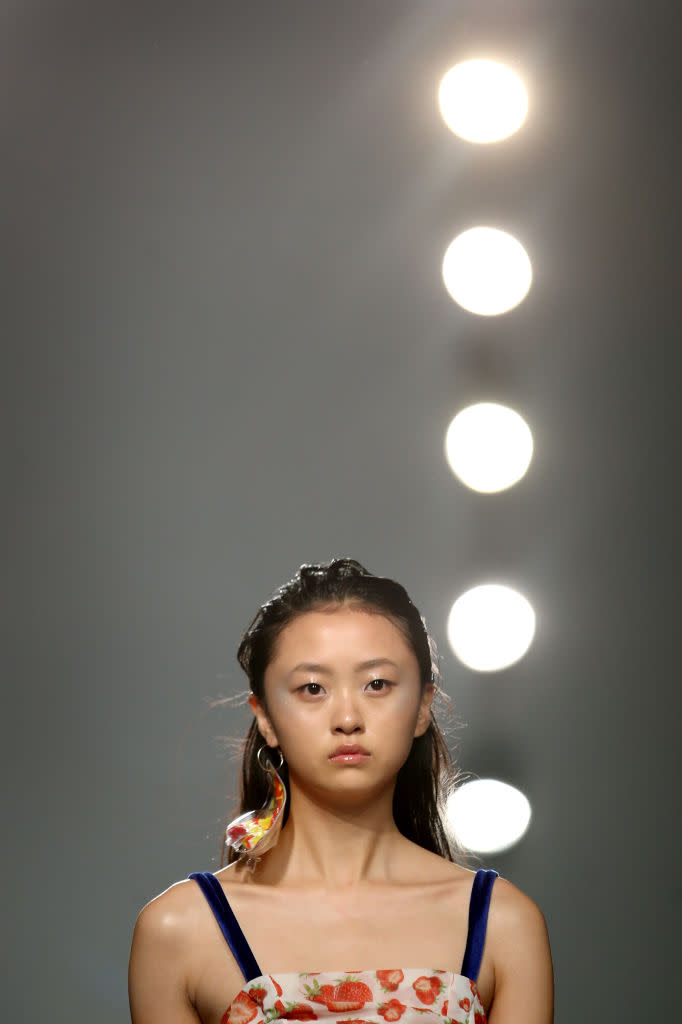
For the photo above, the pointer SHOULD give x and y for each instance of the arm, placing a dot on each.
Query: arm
(524, 981)
(157, 973)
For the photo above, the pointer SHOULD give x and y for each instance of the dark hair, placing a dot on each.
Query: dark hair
(428, 772)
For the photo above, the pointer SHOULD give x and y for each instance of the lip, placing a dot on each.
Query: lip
(349, 754)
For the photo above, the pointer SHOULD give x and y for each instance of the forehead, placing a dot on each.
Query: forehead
(341, 632)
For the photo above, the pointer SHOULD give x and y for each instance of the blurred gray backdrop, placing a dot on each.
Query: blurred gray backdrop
(229, 351)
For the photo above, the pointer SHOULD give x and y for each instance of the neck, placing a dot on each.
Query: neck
(332, 846)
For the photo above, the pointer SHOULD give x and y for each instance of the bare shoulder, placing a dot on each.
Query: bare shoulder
(518, 944)
(171, 917)
(162, 957)
(512, 911)
(181, 970)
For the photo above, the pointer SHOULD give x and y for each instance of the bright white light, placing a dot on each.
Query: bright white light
(490, 627)
(487, 271)
(489, 447)
(482, 101)
(488, 816)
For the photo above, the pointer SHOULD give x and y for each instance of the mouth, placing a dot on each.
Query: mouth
(349, 754)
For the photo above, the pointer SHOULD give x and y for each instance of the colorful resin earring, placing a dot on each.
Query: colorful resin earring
(254, 833)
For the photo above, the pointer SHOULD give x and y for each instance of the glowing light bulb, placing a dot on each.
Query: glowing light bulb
(490, 627)
(488, 816)
(489, 447)
(482, 101)
(487, 271)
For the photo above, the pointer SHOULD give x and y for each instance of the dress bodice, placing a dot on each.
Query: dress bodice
(409, 995)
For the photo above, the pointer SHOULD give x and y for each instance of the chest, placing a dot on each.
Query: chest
(347, 929)
(343, 933)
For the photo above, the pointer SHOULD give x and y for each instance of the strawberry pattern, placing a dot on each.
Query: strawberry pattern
(411, 996)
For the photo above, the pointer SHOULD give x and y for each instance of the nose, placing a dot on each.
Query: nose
(346, 715)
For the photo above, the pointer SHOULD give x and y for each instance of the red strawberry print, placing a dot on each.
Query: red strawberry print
(258, 995)
(347, 995)
(390, 979)
(480, 1017)
(465, 1004)
(444, 1011)
(427, 989)
(392, 1010)
(295, 1011)
(278, 987)
(301, 1012)
(241, 1010)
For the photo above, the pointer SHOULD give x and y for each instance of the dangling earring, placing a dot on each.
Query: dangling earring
(255, 832)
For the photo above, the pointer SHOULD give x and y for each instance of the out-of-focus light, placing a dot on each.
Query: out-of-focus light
(490, 627)
(482, 101)
(489, 447)
(488, 816)
(487, 271)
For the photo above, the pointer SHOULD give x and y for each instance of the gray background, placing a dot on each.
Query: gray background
(229, 351)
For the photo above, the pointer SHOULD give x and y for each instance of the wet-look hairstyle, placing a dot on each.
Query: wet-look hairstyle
(428, 774)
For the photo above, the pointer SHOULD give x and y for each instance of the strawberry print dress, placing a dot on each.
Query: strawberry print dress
(409, 995)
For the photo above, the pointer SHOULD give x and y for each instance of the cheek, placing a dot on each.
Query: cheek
(286, 717)
(396, 724)
(403, 708)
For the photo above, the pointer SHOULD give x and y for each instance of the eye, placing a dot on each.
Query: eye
(311, 689)
(379, 685)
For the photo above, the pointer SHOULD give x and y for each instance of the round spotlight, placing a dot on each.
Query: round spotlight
(488, 816)
(482, 101)
(490, 627)
(489, 447)
(487, 271)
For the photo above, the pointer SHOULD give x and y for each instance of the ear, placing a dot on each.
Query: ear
(264, 724)
(424, 713)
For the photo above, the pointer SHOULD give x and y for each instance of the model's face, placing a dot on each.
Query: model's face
(343, 700)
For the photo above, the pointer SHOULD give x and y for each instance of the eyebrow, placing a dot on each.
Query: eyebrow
(312, 666)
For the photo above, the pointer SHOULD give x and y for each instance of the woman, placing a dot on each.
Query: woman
(357, 911)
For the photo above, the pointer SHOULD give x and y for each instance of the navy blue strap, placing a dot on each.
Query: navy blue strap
(479, 904)
(229, 926)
